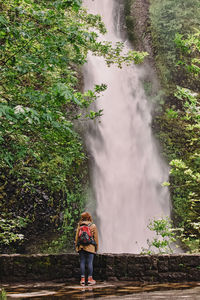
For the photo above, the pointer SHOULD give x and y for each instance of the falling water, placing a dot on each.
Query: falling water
(127, 171)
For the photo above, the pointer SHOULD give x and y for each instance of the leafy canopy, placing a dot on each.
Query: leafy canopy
(42, 45)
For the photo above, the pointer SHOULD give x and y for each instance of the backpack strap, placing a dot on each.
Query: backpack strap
(93, 241)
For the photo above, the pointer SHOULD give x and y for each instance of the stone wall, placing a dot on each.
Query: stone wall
(65, 267)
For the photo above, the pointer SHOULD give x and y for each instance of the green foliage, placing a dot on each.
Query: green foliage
(181, 139)
(9, 229)
(38, 85)
(3, 294)
(176, 42)
(189, 47)
(165, 237)
(185, 172)
(172, 114)
(168, 17)
(38, 91)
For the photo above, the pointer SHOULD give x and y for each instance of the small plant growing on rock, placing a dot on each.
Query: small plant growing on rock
(3, 295)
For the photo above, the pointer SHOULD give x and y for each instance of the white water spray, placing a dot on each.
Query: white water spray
(127, 172)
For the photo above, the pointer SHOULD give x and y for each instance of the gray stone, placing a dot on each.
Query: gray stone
(162, 268)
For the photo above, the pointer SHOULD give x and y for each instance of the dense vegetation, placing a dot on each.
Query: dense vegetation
(176, 41)
(44, 177)
(168, 18)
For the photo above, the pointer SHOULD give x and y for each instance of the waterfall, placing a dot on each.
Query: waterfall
(127, 170)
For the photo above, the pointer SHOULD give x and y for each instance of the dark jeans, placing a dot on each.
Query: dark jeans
(86, 257)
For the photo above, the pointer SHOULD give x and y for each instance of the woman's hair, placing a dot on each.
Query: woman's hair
(85, 216)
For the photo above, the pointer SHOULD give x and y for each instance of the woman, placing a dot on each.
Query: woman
(86, 249)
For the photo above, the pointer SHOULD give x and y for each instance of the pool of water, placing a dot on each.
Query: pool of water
(103, 291)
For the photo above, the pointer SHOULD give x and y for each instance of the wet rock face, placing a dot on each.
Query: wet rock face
(65, 267)
(140, 14)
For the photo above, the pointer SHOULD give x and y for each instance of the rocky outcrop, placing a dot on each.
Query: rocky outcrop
(138, 28)
(130, 267)
(139, 11)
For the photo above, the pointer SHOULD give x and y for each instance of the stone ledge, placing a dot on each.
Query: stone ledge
(65, 267)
